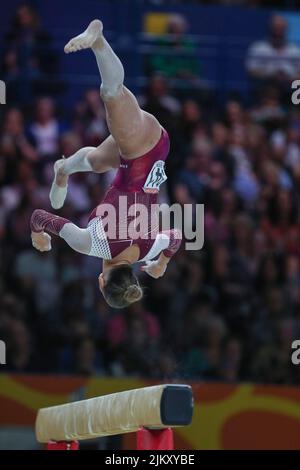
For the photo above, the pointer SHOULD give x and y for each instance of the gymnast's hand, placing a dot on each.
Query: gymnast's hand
(156, 268)
(41, 241)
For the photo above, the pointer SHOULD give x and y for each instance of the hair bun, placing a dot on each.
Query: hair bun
(133, 293)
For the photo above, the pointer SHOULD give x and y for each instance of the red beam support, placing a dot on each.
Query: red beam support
(63, 445)
(147, 439)
(155, 439)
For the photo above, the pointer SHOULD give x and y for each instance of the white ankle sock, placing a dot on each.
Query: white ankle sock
(78, 162)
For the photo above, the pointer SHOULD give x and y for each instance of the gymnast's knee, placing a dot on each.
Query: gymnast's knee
(79, 239)
(93, 160)
(112, 91)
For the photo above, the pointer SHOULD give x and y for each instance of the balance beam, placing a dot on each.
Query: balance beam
(148, 410)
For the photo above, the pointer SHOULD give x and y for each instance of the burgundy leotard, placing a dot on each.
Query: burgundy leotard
(137, 182)
(130, 181)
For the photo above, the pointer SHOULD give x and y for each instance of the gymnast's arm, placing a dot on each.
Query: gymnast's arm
(105, 157)
(157, 268)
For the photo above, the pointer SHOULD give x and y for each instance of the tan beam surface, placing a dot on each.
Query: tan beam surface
(117, 413)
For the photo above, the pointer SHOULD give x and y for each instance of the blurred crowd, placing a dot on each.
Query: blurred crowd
(248, 3)
(228, 312)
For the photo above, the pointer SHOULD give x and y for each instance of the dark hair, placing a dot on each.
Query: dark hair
(122, 287)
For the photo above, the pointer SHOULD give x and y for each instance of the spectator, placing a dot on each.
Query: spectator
(177, 52)
(159, 101)
(274, 58)
(46, 129)
(15, 144)
(29, 58)
(90, 120)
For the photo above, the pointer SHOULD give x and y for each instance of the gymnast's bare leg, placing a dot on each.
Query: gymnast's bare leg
(133, 131)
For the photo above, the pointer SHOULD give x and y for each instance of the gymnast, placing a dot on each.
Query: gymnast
(138, 147)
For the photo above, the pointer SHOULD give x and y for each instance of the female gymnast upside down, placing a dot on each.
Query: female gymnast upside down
(138, 146)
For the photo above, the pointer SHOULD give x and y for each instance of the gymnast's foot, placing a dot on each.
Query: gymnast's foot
(59, 186)
(86, 39)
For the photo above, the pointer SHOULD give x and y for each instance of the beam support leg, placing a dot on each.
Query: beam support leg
(63, 445)
(155, 439)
